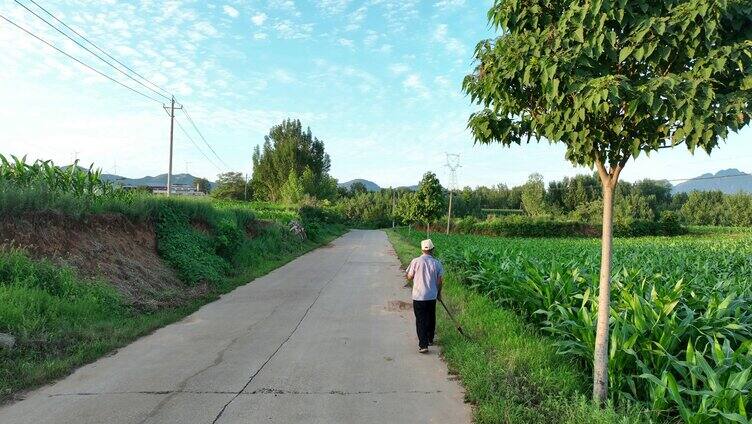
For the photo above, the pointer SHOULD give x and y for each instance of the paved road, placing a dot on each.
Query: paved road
(323, 339)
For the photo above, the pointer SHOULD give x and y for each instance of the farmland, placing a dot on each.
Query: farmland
(680, 313)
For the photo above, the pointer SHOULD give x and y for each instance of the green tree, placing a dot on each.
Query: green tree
(406, 207)
(612, 79)
(534, 196)
(289, 148)
(202, 184)
(357, 188)
(292, 190)
(703, 208)
(230, 185)
(429, 200)
(738, 210)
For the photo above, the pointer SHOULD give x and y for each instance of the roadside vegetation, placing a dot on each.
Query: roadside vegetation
(60, 318)
(510, 371)
(680, 322)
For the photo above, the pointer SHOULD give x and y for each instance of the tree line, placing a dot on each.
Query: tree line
(292, 167)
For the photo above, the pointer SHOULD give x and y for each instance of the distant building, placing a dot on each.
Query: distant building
(179, 190)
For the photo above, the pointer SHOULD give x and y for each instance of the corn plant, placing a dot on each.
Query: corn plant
(44, 175)
(681, 322)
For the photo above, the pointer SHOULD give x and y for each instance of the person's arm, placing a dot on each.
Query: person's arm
(410, 271)
(440, 280)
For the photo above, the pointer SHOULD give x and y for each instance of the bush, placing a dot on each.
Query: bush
(524, 226)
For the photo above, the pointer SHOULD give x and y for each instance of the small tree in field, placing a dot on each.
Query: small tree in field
(429, 200)
(612, 79)
(534, 196)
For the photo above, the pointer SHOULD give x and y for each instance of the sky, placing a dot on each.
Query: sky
(379, 81)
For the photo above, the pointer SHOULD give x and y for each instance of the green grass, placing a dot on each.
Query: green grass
(510, 371)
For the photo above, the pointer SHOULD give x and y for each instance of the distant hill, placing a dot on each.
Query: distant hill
(149, 181)
(370, 185)
(729, 181)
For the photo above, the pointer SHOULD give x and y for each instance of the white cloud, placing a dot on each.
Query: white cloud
(205, 28)
(333, 7)
(291, 30)
(260, 36)
(412, 81)
(399, 68)
(288, 6)
(230, 11)
(259, 18)
(345, 42)
(451, 44)
(450, 4)
(371, 38)
(442, 81)
(283, 76)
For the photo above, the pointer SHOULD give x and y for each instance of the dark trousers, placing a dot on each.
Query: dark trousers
(425, 320)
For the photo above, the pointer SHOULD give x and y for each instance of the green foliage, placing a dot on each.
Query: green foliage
(292, 190)
(358, 188)
(429, 199)
(48, 309)
(681, 322)
(288, 149)
(230, 186)
(523, 226)
(715, 208)
(612, 79)
(511, 374)
(44, 175)
(374, 209)
(202, 184)
(533, 196)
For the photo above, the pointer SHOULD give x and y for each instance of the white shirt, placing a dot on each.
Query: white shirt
(425, 271)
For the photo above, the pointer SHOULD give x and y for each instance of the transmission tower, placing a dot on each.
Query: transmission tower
(452, 163)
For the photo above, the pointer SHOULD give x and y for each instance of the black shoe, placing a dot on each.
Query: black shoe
(422, 350)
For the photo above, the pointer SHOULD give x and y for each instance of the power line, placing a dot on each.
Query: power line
(98, 48)
(714, 177)
(87, 49)
(196, 145)
(202, 137)
(78, 60)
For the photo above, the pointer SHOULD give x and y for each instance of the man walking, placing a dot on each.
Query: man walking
(427, 275)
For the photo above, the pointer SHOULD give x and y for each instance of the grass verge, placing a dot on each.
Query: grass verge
(62, 321)
(511, 372)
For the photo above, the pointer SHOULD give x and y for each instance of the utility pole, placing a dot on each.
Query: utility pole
(453, 163)
(172, 130)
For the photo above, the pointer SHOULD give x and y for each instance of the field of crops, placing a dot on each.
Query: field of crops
(681, 322)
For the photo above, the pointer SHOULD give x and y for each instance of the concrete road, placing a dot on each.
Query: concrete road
(324, 339)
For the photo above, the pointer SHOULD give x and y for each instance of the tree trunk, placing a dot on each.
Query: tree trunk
(600, 362)
(428, 229)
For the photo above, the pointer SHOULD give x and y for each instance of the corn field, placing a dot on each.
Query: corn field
(44, 175)
(681, 313)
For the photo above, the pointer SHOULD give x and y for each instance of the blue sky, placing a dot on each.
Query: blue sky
(378, 80)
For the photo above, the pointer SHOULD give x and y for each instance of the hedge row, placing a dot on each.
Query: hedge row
(522, 226)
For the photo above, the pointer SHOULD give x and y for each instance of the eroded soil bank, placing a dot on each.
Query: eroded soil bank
(108, 247)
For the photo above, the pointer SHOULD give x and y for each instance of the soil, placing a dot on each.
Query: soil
(398, 305)
(108, 247)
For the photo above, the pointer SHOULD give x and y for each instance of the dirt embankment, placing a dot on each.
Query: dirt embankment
(109, 247)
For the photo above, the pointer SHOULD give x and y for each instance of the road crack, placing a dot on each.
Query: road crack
(274, 353)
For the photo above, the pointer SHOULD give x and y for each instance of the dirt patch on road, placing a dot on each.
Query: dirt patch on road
(398, 305)
(109, 247)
